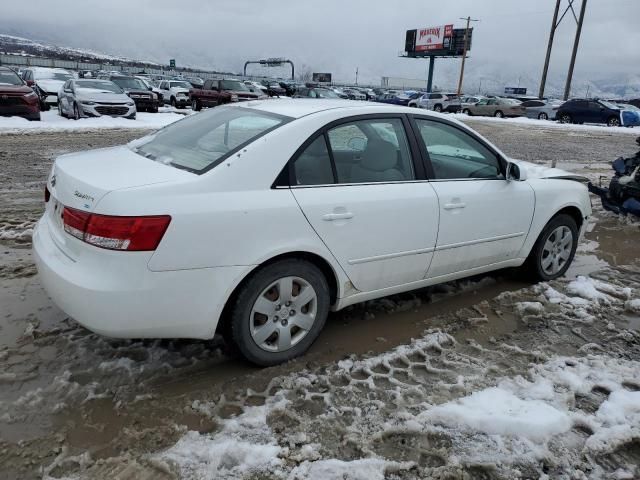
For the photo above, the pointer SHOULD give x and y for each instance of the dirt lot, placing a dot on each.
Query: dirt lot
(73, 404)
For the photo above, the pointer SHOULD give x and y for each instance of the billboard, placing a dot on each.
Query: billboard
(434, 38)
(443, 41)
(322, 77)
(515, 90)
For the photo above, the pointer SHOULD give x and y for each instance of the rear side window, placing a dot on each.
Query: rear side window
(199, 142)
(454, 154)
(313, 165)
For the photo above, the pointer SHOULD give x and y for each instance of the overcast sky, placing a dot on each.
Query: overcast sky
(338, 36)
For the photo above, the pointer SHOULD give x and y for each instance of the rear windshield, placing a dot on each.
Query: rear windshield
(199, 142)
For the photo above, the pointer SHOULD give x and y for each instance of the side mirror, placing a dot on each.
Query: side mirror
(150, 88)
(515, 173)
(30, 83)
(68, 90)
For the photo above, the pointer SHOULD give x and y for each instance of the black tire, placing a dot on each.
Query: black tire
(466, 111)
(543, 116)
(76, 112)
(173, 102)
(437, 108)
(565, 118)
(533, 266)
(613, 121)
(60, 110)
(153, 109)
(240, 316)
(498, 114)
(196, 106)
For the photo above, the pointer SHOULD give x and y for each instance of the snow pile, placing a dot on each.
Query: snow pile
(52, 122)
(531, 122)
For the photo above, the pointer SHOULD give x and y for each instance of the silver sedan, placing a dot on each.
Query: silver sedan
(542, 109)
(80, 98)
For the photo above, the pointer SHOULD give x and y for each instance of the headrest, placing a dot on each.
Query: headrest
(379, 156)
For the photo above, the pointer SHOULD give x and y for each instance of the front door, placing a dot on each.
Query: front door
(484, 219)
(358, 188)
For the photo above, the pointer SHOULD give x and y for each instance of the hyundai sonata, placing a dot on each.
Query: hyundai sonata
(259, 218)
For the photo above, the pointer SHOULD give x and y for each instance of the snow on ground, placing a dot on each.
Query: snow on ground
(52, 122)
(432, 409)
(532, 122)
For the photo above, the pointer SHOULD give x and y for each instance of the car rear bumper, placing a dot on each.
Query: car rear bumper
(115, 294)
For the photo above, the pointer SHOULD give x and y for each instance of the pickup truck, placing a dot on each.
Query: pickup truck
(219, 92)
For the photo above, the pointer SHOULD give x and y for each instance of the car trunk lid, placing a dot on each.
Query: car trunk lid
(81, 180)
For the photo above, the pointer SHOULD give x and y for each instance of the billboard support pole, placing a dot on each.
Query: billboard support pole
(432, 63)
(567, 88)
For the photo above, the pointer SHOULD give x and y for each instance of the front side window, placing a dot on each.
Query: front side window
(454, 154)
(197, 142)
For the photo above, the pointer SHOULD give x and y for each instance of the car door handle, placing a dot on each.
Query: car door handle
(329, 217)
(453, 206)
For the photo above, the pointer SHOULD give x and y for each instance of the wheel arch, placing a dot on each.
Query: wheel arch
(320, 262)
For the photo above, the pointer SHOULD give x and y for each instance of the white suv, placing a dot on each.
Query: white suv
(175, 92)
(439, 102)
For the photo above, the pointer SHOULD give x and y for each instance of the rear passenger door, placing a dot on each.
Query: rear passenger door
(361, 185)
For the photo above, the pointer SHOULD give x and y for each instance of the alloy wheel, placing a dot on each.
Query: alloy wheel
(613, 122)
(283, 314)
(556, 250)
(543, 116)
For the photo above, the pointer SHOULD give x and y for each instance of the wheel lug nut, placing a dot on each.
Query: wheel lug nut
(276, 318)
(292, 312)
(278, 307)
(284, 323)
(288, 303)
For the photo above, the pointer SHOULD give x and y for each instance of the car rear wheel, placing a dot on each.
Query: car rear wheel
(279, 312)
(566, 118)
(613, 122)
(438, 108)
(195, 105)
(173, 102)
(76, 112)
(466, 111)
(498, 114)
(543, 116)
(554, 250)
(60, 112)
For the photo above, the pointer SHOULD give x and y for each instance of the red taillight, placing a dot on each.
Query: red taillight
(116, 233)
(47, 194)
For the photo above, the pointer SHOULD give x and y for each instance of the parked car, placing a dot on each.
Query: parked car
(47, 80)
(80, 98)
(353, 94)
(438, 102)
(220, 91)
(274, 89)
(496, 107)
(583, 110)
(290, 88)
(629, 115)
(175, 92)
(315, 92)
(17, 99)
(542, 109)
(151, 87)
(467, 100)
(339, 92)
(196, 82)
(145, 100)
(170, 221)
(402, 99)
(256, 85)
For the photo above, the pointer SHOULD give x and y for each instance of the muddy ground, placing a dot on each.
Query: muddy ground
(73, 403)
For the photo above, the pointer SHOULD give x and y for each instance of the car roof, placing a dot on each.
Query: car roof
(301, 107)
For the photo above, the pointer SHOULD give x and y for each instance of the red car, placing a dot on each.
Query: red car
(16, 98)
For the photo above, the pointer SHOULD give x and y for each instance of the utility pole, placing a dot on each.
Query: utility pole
(567, 88)
(464, 55)
(356, 75)
(552, 34)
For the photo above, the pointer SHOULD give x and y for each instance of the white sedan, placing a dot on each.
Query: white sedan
(259, 218)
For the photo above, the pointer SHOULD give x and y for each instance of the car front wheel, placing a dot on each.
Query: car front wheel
(466, 111)
(279, 312)
(499, 114)
(566, 118)
(555, 248)
(543, 116)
